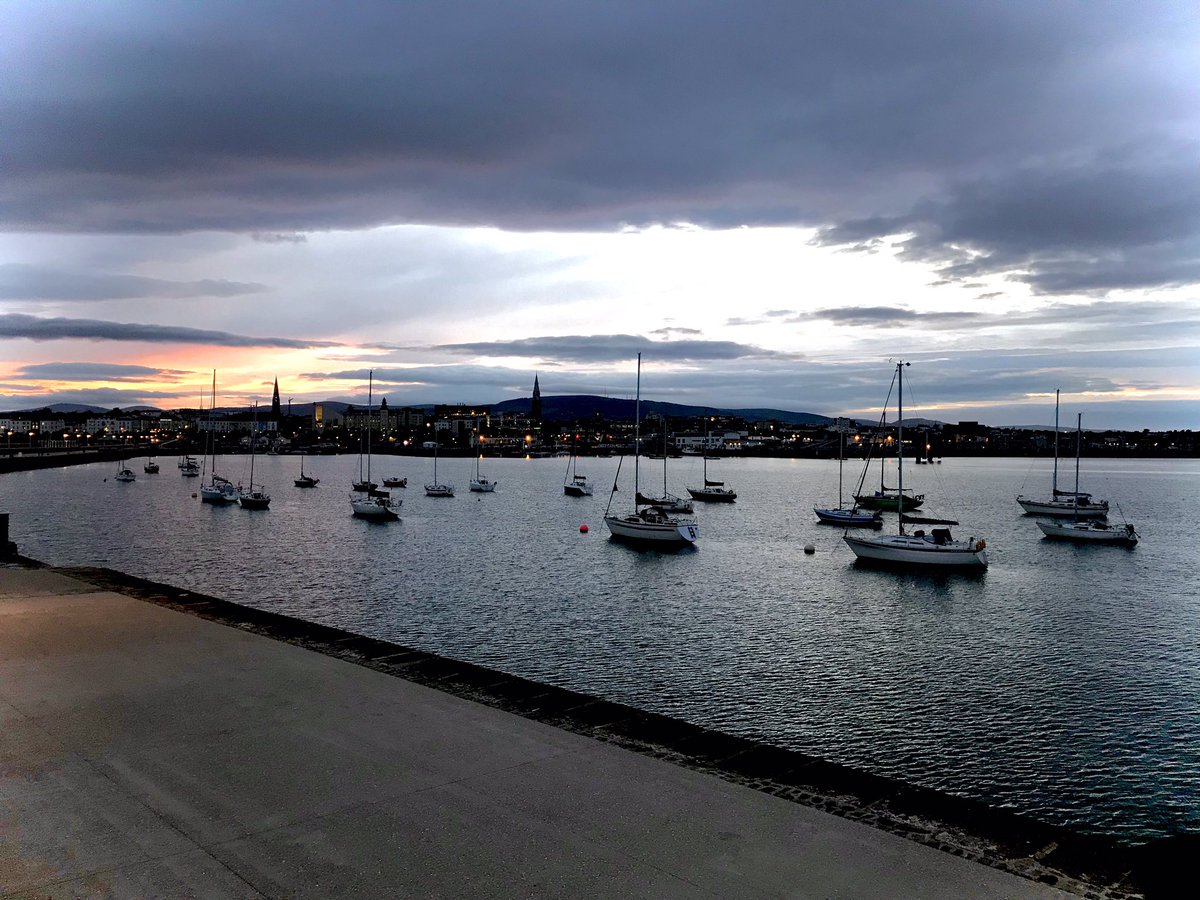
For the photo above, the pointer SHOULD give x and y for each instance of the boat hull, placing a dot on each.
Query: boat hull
(483, 486)
(1063, 509)
(668, 503)
(889, 502)
(713, 495)
(254, 501)
(375, 508)
(1090, 533)
(210, 494)
(577, 490)
(306, 482)
(439, 490)
(849, 518)
(917, 552)
(634, 529)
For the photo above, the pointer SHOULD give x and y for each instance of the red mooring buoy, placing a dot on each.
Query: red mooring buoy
(583, 529)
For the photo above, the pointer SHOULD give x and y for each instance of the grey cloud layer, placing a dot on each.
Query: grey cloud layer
(27, 282)
(1048, 140)
(15, 325)
(604, 348)
(65, 371)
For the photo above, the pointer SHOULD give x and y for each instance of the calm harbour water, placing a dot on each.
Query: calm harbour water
(1064, 683)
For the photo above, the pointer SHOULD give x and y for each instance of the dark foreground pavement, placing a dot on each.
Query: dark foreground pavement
(145, 752)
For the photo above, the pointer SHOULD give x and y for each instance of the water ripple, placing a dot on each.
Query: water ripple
(1063, 683)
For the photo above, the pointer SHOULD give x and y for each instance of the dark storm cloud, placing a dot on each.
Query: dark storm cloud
(602, 348)
(1046, 138)
(14, 325)
(65, 371)
(1078, 229)
(27, 282)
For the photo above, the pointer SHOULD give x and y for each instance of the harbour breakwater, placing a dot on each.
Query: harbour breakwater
(1085, 864)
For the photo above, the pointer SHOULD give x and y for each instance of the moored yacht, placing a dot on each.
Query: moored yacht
(935, 551)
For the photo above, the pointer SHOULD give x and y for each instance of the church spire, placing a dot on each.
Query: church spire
(275, 400)
(535, 403)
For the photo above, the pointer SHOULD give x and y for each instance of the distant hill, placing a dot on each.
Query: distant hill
(71, 408)
(584, 406)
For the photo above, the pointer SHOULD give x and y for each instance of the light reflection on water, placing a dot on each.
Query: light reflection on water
(1064, 682)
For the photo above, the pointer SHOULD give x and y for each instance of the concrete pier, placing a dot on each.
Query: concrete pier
(146, 752)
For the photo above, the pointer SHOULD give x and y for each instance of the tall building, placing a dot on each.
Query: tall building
(275, 411)
(535, 404)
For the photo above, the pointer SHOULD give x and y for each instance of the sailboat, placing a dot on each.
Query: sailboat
(668, 502)
(365, 485)
(890, 499)
(1069, 504)
(1087, 530)
(124, 473)
(253, 497)
(189, 467)
(217, 489)
(712, 491)
(306, 481)
(851, 517)
(151, 467)
(935, 551)
(367, 502)
(574, 484)
(481, 484)
(648, 524)
(437, 488)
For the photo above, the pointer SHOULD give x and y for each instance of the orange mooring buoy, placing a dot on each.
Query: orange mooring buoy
(583, 529)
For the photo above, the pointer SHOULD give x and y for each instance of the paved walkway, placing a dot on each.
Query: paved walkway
(149, 753)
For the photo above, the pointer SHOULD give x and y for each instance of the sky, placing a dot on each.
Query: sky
(771, 201)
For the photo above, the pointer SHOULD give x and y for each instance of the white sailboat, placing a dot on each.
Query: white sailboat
(124, 473)
(575, 484)
(436, 488)
(253, 496)
(367, 502)
(1084, 530)
(480, 484)
(1068, 504)
(712, 491)
(931, 552)
(648, 524)
(216, 489)
(847, 517)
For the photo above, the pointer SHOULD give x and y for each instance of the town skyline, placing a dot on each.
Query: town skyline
(769, 206)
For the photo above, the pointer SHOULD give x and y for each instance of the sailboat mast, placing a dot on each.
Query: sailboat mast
(1078, 442)
(637, 429)
(841, 459)
(1054, 485)
(253, 441)
(212, 425)
(370, 388)
(900, 445)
